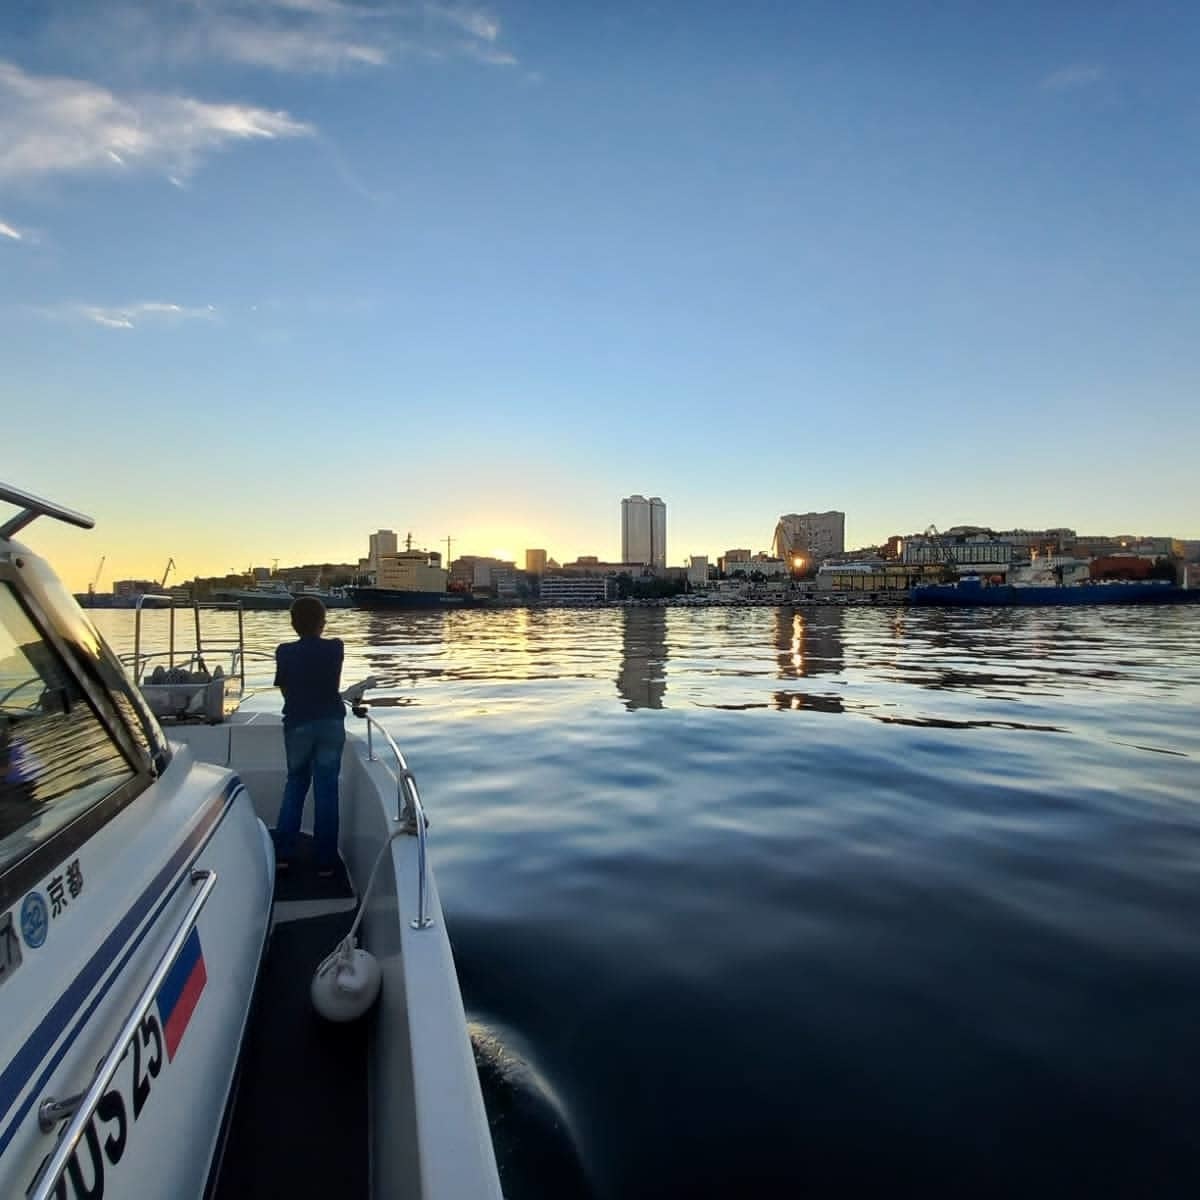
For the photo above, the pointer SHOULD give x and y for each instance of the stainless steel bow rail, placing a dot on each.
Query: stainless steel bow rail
(410, 813)
(210, 647)
(32, 507)
(83, 1105)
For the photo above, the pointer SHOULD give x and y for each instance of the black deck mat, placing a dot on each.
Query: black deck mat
(299, 1124)
(299, 881)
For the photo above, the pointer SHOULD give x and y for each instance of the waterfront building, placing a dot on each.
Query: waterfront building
(481, 573)
(697, 570)
(812, 536)
(728, 562)
(968, 548)
(1030, 543)
(130, 588)
(574, 589)
(644, 530)
(462, 571)
(769, 565)
(1154, 547)
(589, 564)
(535, 562)
(507, 581)
(1094, 546)
(873, 575)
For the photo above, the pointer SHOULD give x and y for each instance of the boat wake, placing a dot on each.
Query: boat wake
(531, 1130)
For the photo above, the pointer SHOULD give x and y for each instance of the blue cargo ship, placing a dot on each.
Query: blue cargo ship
(974, 592)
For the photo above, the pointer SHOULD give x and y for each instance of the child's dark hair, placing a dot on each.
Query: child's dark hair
(308, 616)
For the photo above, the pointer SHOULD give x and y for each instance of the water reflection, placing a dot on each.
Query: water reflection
(642, 678)
(921, 667)
(813, 701)
(809, 642)
(396, 646)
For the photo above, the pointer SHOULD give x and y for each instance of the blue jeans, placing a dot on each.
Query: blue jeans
(314, 754)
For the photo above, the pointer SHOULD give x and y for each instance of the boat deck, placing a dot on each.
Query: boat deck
(299, 1121)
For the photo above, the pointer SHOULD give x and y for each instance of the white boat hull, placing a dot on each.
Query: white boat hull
(154, 1132)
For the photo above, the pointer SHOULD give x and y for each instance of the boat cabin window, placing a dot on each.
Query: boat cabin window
(57, 759)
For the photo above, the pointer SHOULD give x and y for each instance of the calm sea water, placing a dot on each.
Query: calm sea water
(783, 902)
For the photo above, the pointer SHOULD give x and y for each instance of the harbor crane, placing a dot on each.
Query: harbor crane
(96, 578)
(944, 553)
(167, 570)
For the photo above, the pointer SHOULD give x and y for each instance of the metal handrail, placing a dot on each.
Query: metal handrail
(84, 1103)
(33, 507)
(409, 810)
(137, 630)
(236, 647)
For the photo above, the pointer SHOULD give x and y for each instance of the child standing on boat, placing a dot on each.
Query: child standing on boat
(308, 672)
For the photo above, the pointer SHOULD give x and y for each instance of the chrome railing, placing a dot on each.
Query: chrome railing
(81, 1106)
(205, 648)
(32, 507)
(410, 813)
(137, 631)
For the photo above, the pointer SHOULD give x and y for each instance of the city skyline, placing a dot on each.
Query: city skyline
(384, 541)
(274, 274)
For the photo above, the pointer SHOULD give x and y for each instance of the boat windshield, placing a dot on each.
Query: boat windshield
(57, 758)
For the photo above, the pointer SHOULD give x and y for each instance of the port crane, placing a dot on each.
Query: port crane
(96, 578)
(167, 570)
(944, 553)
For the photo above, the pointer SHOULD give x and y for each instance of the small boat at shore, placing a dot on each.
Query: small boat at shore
(159, 1039)
(972, 591)
(274, 595)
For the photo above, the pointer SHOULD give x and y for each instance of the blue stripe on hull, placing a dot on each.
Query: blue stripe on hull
(17, 1074)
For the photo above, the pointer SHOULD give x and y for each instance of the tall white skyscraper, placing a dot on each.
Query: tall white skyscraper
(644, 531)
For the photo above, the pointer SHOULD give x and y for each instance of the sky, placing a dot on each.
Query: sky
(278, 273)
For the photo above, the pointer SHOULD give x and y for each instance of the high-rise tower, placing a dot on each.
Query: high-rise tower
(644, 531)
(812, 536)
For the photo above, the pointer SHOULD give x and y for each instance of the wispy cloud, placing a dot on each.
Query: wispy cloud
(293, 49)
(319, 36)
(129, 316)
(51, 124)
(1076, 75)
(10, 231)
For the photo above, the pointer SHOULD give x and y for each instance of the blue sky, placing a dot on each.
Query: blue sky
(275, 273)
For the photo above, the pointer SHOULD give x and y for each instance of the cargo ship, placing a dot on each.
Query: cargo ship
(410, 579)
(381, 598)
(975, 592)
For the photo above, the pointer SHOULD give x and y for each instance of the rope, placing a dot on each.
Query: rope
(340, 957)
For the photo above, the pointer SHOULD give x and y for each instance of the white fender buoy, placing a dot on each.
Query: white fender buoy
(346, 984)
(348, 980)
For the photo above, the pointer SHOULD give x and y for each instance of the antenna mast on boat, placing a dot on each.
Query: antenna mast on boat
(408, 541)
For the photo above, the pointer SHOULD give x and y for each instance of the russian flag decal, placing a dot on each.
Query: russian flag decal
(180, 992)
